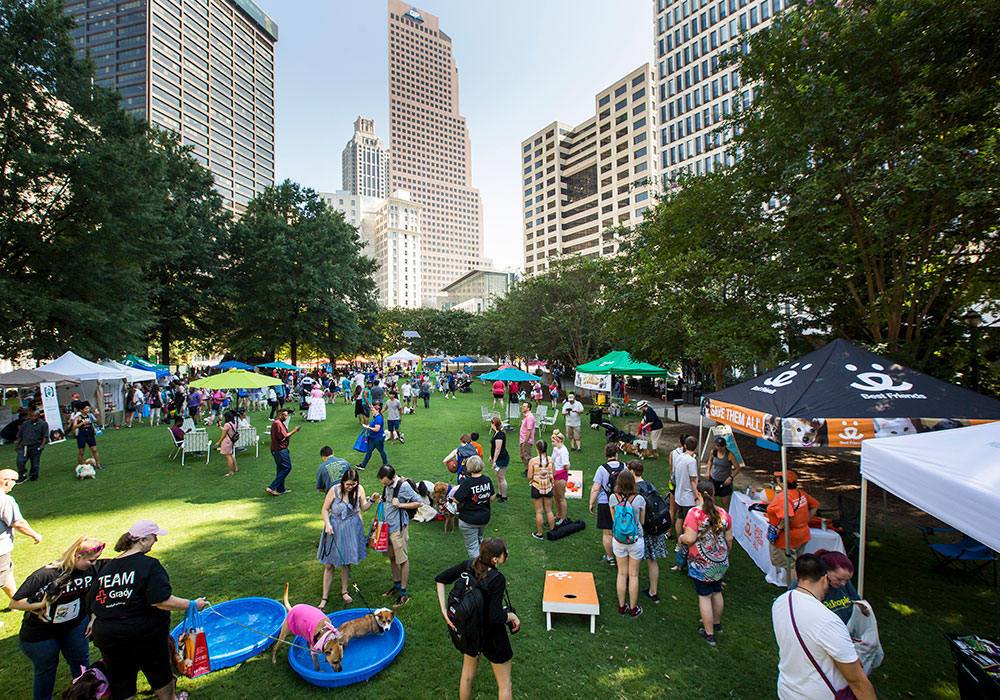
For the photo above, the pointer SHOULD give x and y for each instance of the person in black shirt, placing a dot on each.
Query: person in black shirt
(497, 617)
(55, 618)
(130, 603)
(473, 496)
(499, 457)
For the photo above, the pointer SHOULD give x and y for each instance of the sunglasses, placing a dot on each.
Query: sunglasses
(92, 550)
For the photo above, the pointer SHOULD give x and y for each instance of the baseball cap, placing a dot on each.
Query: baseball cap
(792, 476)
(722, 441)
(145, 528)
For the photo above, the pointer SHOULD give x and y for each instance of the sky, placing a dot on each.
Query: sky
(521, 66)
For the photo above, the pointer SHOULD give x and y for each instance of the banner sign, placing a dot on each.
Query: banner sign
(50, 407)
(593, 382)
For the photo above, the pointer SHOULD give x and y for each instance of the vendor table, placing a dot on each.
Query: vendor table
(750, 530)
(571, 592)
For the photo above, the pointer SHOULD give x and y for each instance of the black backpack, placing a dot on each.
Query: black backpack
(467, 610)
(657, 520)
(613, 473)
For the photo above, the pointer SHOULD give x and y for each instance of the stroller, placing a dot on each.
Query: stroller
(465, 385)
(616, 434)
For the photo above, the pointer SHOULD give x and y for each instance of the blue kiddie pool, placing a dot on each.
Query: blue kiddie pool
(363, 657)
(230, 643)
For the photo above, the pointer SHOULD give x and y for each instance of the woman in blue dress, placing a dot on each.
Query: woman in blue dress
(343, 542)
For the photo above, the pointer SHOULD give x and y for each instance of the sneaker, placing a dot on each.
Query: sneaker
(402, 440)
(716, 628)
(623, 609)
(21, 480)
(537, 536)
(402, 600)
(710, 638)
(360, 466)
(501, 499)
(391, 592)
(609, 560)
(652, 596)
(636, 611)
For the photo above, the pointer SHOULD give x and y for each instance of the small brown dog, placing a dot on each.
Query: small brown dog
(440, 503)
(375, 623)
(309, 622)
(91, 685)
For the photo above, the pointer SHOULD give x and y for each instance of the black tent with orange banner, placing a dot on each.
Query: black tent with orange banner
(840, 395)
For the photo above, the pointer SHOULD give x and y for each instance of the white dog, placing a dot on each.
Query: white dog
(86, 470)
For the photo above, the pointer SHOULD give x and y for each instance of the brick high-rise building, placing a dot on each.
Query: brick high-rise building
(429, 146)
(201, 68)
(366, 162)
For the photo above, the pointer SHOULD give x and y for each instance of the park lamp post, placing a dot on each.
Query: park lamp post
(972, 320)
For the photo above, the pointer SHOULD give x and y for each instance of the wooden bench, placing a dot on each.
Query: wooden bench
(570, 592)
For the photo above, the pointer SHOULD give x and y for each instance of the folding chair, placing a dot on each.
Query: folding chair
(188, 425)
(847, 519)
(486, 414)
(178, 444)
(544, 420)
(513, 414)
(967, 555)
(248, 436)
(197, 441)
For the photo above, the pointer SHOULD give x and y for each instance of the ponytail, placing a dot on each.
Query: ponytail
(490, 549)
(707, 491)
(125, 542)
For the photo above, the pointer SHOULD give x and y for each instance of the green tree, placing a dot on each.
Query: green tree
(876, 128)
(689, 283)
(296, 276)
(557, 316)
(445, 332)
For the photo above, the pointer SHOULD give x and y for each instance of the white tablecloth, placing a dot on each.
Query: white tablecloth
(750, 530)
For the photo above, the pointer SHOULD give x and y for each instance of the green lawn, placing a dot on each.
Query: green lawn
(229, 539)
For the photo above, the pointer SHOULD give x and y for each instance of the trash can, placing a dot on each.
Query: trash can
(971, 653)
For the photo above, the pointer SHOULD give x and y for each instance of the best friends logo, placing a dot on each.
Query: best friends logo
(783, 378)
(881, 383)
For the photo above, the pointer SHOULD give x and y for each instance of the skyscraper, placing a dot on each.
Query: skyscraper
(695, 92)
(582, 183)
(201, 68)
(366, 162)
(430, 151)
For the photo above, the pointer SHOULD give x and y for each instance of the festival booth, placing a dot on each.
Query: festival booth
(840, 396)
(403, 355)
(596, 374)
(954, 475)
(162, 371)
(132, 374)
(101, 386)
(21, 379)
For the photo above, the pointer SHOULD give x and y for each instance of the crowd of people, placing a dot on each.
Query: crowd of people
(627, 507)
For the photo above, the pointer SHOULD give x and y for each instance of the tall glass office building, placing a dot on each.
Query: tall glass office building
(201, 68)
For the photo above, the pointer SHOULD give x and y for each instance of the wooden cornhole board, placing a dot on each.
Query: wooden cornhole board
(571, 592)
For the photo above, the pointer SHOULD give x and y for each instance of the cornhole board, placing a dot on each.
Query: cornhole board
(570, 592)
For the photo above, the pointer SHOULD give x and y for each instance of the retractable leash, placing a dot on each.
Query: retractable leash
(357, 588)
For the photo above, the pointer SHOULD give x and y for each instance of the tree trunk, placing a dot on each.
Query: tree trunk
(165, 345)
(717, 370)
(295, 351)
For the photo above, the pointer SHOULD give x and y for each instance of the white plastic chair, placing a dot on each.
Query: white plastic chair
(197, 441)
(248, 437)
(178, 444)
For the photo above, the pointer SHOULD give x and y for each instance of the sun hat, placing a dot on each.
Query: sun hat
(642, 403)
(145, 528)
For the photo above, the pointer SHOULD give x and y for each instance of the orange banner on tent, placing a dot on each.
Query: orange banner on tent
(745, 420)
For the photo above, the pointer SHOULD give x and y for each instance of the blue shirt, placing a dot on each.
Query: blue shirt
(329, 473)
(378, 420)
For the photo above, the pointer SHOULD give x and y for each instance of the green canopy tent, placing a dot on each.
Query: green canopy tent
(235, 379)
(620, 362)
(133, 361)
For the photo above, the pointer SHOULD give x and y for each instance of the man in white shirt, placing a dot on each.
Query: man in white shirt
(685, 481)
(10, 520)
(573, 409)
(822, 633)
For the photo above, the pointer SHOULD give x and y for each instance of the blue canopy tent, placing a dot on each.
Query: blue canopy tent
(133, 361)
(278, 365)
(233, 364)
(433, 360)
(464, 359)
(509, 374)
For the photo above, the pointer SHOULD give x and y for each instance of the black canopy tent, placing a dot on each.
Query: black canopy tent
(840, 395)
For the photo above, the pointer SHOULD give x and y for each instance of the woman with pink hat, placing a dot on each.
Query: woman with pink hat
(130, 603)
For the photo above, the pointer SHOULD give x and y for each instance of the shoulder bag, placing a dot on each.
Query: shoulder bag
(844, 693)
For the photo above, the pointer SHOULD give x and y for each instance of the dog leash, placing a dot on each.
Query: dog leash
(212, 609)
(354, 583)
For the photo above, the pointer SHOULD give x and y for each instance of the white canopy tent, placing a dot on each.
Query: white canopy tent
(403, 355)
(953, 475)
(96, 380)
(132, 374)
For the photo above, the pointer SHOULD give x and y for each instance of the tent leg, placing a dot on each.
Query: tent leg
(701, 422)
(787, 525)
(862, 534)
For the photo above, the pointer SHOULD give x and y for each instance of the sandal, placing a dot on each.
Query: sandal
(347, 598)
(322, 603)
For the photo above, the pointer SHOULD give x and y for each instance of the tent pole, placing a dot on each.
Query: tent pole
(862, 534)
(784, 491)
(701, 421)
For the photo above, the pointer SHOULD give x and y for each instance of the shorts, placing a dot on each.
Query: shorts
(125, 656)
(193, 411)
(536, 494)
(721, 489)
(502, 464)
(6, 570)
(632, 551)
(682, 513)
(778, 554)
(498, 396)
(604, 521)
(707, 588)
(573, 432)
(399, 546)
(392, 426)
(561, 475)
(526, 451)
(88, 438)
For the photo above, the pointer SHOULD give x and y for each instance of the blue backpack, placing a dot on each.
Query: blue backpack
(624, 528)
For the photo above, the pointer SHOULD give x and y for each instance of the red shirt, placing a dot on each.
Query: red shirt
(279, 436)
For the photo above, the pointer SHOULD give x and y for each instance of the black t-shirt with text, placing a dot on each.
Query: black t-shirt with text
(65, 613)
(473, 495)
(125, 591)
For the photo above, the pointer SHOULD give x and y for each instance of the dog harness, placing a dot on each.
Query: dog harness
(303, 621)
(101, 691)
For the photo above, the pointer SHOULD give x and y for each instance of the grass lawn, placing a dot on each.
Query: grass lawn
(229, 539)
